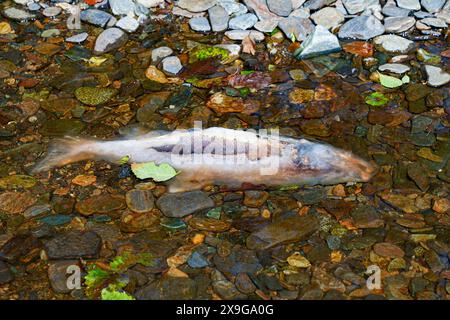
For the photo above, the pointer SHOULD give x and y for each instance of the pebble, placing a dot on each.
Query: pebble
(18, 14)
(58, 274)
(242, 34)
(260, 8)
(299, 261)
(391, 43)
(280, 7)
(122, 7)
(138, 221)
(393, 11)
(244, 284)
(128, 24)
(362, 27)
(51, 11)
(388, 250)
(50, 33)
(109, 40)
(432, 6)
(436, 76)
(298, 27)
(434, 22)
(172, 65)
(394, 67)
(442, 205)
(356, 6)
(140, 200)
(409, 4)
(197, 260)
(178, 205)
(267, 25)
(94, 96)
(73, 245)
(160, 53)
(6, 275)
(301, 13)
(200, 24)
(177, 11)
(208, 224)
(78, 38)
(168, 288)
(398, 24)
(321, 41)
(103, 203)
(96, 17)
(243, 22)
(328, 17)
(197, 5)
(218, 18)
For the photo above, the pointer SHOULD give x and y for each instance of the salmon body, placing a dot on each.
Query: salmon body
(221, 156)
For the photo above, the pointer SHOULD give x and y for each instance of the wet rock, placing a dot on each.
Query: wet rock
(6, 275)
(434, 22)
(104, 203)
(140, 200)
(218, 17)
(267, 25)
(280, 7)
(208, 224)
(78, 38)
(122, 7)
(243, 22)
(96, 17)
(160, 53)
(299, 28)
(398, 24)
(244, 284)
(356, 6)
(178, 205)
(418, 174)
(240, 260)
(172, 65)
(401, 202)
(326, 281)
(58, 273)
(37, 210)
(260, 8)
(285, 230)
(394, 67)
(388, 250)
(197, 260)
(109, 40)
(436, 76)
(74, 245)
(442, 205)
(196, 6)
(16, 202)
(328, 17)
(321, 41)
(128, 24)
(360, 48)
(315, 127)
(393, 44)
(51, 11)
(297, 260)
(362, 27)
(255, 199)
(366, 217)
(18, 14)
(169, 288)
(393, 11)
(200, 24)
(241, 34)
(225, 288)
(94, 96)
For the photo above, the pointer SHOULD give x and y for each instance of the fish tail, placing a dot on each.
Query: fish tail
(64, 151)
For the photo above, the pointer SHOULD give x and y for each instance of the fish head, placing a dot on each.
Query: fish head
(329, 165)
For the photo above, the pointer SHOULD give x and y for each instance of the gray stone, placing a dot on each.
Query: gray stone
(286, 230)
(259, 7)
(298, 27)
(391, 43)
(218, 18)
(444, 15)
(321, 41)
(434, 22)
(266, 25)
(436, 76)
(150, 3)
(280, 7)
(96, 17)
(199, 24)
(197, 5)
(432, 6)
(73, 245)
(121, 7)
(5, 273)
(160, 53)
(393, 11)
(178, 205)
(172, 65)
(51, 11)
(241, 34)
(58, 273)
(109, 40)
(128, 24)
(422, 14)
(140, 201)
(301, 13)
(18, 14)
(317, 4)
(233, 7)
(177, 11)
(33, 6)
(356, 6)
(168, 288)
(394, 67)
(398, 24)
(409, 4)
(362, 27)
(328, 17)
(243, 22)
(78, 37)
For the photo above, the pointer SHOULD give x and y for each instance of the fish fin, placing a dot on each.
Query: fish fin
(64, 151)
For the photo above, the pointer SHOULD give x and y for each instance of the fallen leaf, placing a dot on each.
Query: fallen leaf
(248, 45)
(146, 170)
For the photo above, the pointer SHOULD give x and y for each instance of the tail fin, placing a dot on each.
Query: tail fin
(64, 151)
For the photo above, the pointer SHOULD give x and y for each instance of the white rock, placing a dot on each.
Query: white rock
(161, 52)
(436, 76)
(122, 7)
(110, 39)
(199, 24)
(177, 11)
(243, 22)
(150, 3)
(328, 17)
(394, 44)
(409, 4)
(172, 65)
(128, 23)
(196, 5)
(394, 67)
(78, 37)
(266, 25)
(241, 34)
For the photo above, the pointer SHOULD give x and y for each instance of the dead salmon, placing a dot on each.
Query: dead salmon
(221, 156)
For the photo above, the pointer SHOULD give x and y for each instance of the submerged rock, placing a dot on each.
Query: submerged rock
(74, 245)
(178, 205)
(391, 43)
(321, 41)
(109, 40)
(436, 76)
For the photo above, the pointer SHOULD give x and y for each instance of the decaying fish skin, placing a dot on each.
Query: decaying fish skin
(221, 156)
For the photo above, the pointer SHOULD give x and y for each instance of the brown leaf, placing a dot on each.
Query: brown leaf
(248, 45)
